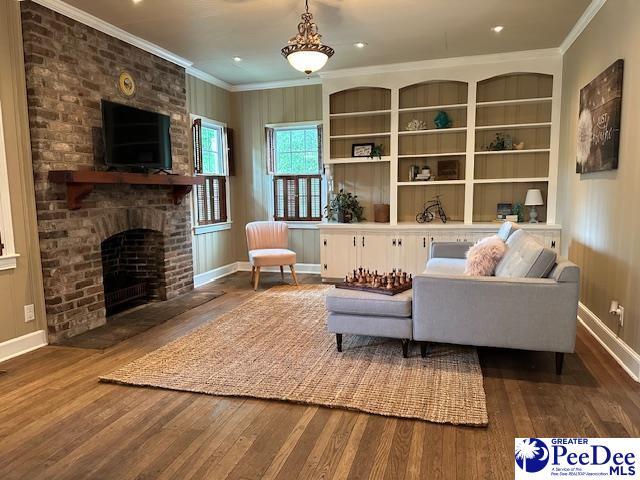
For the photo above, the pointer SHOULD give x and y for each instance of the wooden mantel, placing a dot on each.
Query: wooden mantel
(80, 183)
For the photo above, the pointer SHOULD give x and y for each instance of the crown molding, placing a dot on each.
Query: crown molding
(195, 72)
(584, 20)
(444, 63)
(105, 27)
(301, 82)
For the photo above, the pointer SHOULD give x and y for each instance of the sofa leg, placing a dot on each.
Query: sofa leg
(405, 348)
(423, 349)
(339, 341)
(559, 362)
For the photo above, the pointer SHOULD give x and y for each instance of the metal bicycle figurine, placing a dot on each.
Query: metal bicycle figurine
(431, 209)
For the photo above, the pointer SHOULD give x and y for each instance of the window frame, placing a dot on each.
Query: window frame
(223, 225)
(293, 223)
(8, 255)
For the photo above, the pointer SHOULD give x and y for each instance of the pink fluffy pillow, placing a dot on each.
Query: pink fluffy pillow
(484, 256)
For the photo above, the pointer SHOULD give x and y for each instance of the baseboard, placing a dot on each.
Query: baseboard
(622, 353)
(313, 268)
(215, 274)
(25, 343)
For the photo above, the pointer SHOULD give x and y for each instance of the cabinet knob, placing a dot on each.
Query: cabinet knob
(553, 244)
(325, 266)
(424, 242)
(399, 242)
(354, 241)
(363, 240)
(394, 242)
(325, 242)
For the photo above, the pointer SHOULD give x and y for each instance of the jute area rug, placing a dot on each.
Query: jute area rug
(276, 346)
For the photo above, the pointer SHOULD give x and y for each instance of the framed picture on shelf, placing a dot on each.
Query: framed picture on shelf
(503, 210)
(362, 149)
(448, 170)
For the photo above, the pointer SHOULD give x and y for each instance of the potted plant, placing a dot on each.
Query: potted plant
(344, 208)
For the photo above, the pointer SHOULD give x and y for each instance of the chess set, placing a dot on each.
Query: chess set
(385, 283)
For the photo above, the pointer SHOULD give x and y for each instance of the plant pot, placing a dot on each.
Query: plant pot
(381, 213)
(344, 217)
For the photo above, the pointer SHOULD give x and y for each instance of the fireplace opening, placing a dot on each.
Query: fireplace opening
(133, 269)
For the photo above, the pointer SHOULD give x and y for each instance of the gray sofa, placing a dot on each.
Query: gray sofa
(531, 303)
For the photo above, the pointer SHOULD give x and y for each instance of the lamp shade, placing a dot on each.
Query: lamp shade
(534, 197)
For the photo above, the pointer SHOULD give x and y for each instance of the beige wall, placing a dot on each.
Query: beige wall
(215, 249)
(23, 285)
(251, 189)
(253, 194)
(599, 211)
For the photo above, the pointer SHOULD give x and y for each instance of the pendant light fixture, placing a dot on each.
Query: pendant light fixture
(305, 51)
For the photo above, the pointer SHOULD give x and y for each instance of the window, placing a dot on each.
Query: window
(294, 159)
(211, 161)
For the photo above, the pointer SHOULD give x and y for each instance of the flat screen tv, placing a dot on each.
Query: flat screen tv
(135, 139)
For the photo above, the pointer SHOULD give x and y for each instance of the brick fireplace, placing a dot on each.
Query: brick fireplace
(69, 68)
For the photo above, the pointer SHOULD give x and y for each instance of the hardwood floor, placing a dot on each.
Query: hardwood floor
(57, 421)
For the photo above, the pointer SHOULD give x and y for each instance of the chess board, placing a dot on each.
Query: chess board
(384, 284)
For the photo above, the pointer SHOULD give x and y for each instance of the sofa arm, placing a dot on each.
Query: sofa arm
(449, 249)
(524, 313)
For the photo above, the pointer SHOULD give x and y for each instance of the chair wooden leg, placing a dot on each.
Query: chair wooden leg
(405, 348)
(559, 362)
(282, 273)
(339, 341)
(293, 274)
(256, 282)
(253, 274)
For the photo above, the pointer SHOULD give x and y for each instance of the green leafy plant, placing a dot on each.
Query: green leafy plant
(377, 151)
(344, 207)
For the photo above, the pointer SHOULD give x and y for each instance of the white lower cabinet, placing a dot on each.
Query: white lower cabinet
(383, 248)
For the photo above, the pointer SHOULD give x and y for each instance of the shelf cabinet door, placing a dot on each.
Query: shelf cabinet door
(338, 254)
(376, 251)
(412, 252)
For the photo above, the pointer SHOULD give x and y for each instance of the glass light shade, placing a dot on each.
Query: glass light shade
(534, 197)
(307, 61)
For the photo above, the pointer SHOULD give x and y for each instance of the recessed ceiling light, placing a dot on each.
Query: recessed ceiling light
(360, 44)
(497, 28)
(137, 1)
(237, 59)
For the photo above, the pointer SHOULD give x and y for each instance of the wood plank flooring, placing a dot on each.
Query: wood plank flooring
(57, 421)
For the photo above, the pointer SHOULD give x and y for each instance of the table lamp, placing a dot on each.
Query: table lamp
(534, 198)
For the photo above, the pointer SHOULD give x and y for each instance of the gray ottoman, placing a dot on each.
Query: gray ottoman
(373, 314)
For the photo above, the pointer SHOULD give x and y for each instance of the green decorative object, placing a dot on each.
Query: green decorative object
(344, 207)
(518, 209)
(376, 151)
(442, 120)
(502, 142)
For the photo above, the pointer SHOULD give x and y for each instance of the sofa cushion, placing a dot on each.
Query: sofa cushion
(506, 230)
(446, 266)
(483, 257)
(354, 302)
(525, 257)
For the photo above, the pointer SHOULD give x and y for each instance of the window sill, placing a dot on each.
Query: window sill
(216, 227)
(9, 261)
(293, 225)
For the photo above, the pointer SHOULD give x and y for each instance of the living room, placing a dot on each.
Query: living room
(231, 247)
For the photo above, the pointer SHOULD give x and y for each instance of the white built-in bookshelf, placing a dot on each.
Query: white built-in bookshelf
(519, 99)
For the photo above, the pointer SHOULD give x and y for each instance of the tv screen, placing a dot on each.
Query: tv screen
(135, 138)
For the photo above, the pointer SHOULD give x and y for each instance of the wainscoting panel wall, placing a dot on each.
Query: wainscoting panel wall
(214, 249)
(601, 228)
(253, 188)
(22, 285)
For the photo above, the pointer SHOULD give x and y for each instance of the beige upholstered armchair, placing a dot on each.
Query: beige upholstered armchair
(267, 243)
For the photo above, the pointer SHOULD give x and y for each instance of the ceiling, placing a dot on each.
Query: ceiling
(211, 32)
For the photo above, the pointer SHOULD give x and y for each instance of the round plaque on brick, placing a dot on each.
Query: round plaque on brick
(126, 84)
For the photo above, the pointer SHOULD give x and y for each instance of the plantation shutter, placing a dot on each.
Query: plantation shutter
(196, 133)
(211, 199)
(231, 163)
(271, 150)
(320, 148)
(297, 197)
